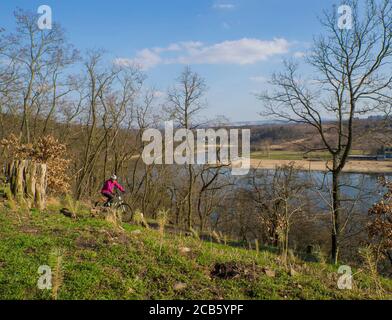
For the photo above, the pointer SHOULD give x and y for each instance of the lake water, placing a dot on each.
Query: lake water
(358, 189)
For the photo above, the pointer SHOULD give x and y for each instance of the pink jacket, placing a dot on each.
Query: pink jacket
(109, 186)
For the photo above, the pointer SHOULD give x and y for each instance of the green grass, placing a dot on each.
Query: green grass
(101, 261)
(295, 155)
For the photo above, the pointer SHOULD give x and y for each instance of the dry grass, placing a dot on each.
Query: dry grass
(162, 220)
(138, 219)
(114, 217)
(370, 264)
(56, 264)
(72, 205)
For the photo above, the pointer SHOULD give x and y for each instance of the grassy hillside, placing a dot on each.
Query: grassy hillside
(100, 260)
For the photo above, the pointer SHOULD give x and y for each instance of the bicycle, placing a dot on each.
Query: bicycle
(119, 204)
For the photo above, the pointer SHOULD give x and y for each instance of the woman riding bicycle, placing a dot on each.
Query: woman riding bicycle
(108, 189)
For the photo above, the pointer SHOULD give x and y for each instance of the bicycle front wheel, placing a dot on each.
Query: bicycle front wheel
(126, 212)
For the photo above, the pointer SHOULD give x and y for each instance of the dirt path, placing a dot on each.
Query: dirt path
(351, 166)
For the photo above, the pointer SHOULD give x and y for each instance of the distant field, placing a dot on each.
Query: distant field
(295, 155)
(316, 161)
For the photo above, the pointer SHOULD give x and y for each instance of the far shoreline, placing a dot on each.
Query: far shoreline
(356, 166)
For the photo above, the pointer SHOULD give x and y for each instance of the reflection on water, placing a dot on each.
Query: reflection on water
(358, 189)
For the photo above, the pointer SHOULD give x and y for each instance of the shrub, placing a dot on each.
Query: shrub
(47, 150)
(380, 226)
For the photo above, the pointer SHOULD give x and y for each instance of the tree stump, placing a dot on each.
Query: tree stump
(28, 181)
(31, 179)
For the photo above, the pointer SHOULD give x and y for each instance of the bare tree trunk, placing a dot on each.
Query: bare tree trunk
(201, 225)
(190, 190)
(28, 182)
(15, 172)
(40, 192)
(31, 181)
(335, 217)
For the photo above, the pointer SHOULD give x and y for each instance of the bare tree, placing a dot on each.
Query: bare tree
(96, 82)
(8, 83)
(353, 78)
(36, 53)
(211, 184)
(279, 200)
(107, 99)
(185, 101)
(58, 86)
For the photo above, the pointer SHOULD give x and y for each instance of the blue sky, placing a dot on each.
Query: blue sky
(234, 44)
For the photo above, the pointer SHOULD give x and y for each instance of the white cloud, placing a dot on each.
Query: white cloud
(224, 6)
(239, 52)
(145, 58)
(191, 45)
(159, 94)
(171, 47)
(244, 51)
(299, 54)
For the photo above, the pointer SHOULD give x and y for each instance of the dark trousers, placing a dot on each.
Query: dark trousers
(109, 198)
